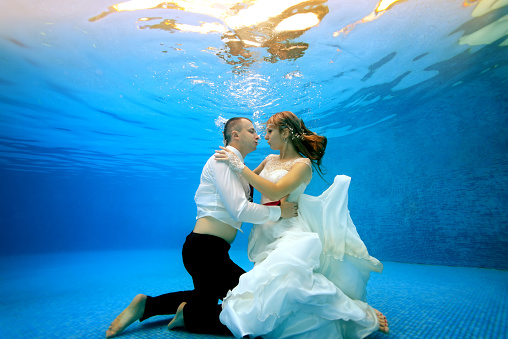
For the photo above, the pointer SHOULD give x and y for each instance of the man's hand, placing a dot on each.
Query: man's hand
(288, 209)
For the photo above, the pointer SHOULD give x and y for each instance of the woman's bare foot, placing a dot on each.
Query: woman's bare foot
(383, 323)
(177, 321)
(132, 313)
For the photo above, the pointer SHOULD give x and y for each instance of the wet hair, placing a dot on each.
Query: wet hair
(307, 143)
(231, 125)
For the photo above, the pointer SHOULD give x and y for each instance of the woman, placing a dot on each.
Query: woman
(310, 272)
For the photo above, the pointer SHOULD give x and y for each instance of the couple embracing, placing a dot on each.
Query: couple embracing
(310, 266)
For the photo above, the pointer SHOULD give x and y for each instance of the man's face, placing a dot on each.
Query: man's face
(248, 137)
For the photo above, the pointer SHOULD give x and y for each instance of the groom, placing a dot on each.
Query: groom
(222, 205)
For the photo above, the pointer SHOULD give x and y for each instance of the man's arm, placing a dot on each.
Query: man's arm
(233, 197)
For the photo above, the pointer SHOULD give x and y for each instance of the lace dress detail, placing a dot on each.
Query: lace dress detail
(275, 169)
(310, 272)
(235, 163)
(273, 163)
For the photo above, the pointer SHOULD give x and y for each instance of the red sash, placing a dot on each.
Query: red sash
(272, 203)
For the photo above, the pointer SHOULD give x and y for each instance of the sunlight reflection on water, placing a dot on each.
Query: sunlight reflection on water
(131, 81)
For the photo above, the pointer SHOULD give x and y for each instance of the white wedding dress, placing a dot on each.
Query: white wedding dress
(310, 272)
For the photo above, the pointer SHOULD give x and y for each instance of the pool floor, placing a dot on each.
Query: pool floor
(77, 295)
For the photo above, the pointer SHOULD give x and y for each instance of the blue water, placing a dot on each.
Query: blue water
(107, 117)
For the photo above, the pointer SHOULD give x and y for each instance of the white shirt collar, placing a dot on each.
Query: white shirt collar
(237, 152)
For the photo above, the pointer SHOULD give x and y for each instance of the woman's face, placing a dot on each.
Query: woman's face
(274, 137)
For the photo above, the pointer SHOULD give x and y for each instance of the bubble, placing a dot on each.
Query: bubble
(220, 121)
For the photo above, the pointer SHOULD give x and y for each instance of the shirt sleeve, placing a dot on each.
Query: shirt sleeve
(232, 194)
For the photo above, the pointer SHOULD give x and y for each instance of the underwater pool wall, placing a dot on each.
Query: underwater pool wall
(430, 185)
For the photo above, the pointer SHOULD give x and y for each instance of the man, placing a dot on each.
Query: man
(222, 204)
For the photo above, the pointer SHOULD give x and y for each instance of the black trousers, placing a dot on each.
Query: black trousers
(207, 260)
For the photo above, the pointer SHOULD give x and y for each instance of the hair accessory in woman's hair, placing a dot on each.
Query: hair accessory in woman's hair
(299, 136)
(293, 133)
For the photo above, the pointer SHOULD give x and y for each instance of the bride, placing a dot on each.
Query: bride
(310, 272)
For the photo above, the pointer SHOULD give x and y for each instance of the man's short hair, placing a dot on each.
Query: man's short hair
(231, 125)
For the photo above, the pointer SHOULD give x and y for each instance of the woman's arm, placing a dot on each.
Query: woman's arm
(298, 174)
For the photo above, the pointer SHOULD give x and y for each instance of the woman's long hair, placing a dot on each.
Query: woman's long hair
(307, 143)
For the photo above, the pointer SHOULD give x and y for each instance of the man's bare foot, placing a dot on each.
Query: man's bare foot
(132, 313)
(383, 323)
(177, 321)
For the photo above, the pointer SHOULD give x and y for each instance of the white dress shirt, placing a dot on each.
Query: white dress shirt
(222, 194)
